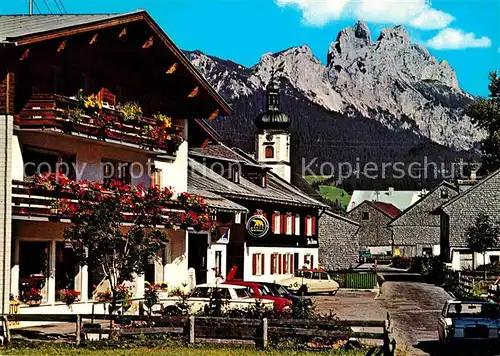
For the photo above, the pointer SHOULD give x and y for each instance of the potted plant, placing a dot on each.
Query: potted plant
(131, 111)
(33, 297)
(69, 296)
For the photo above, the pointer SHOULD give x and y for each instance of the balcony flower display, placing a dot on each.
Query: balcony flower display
(69, 296)
(33, 297)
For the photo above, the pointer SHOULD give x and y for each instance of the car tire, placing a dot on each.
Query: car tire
(303, 290)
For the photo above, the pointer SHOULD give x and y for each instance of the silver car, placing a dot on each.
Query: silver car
(468, 320)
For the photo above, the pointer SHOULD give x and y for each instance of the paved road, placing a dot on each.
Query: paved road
(414, 308)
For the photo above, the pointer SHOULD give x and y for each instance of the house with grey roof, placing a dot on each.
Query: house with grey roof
(417, 230)
(461, 212)
(374, 233)
(401, 199)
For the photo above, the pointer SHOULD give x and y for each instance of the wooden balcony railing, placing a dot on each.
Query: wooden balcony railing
(30, 200)
(57, 112)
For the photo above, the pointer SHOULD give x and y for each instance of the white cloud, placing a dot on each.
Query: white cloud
(450, 38)
(415, 13)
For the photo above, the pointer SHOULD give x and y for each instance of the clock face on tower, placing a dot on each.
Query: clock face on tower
(269, 137)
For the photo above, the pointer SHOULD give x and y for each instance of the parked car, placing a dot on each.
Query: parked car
(307, 281)
(235, 296)
(468, 320)
(281, 291)
(259, 291)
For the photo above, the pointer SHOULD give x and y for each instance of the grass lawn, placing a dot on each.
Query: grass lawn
(175, 350)
(333, 193)
(313, 179)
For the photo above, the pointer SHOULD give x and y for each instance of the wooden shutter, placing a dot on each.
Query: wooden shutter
(312, 261)
(283, 223)
(273, 223)
(254, 264)
(279, 264)
(262, 261)
(291, 263)
(305, 259)
(306, 227)
(284, 263)
(273, 261)
(293, 224)
(313, 225)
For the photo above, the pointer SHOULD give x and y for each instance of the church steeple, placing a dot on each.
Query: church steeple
(273, 95)
(273, 118)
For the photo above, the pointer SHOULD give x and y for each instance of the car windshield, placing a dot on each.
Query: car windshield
(305, 274)
(472, 310)
(242, 292)
(280, 290)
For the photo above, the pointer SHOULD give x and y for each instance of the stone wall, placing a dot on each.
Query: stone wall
(338, 242)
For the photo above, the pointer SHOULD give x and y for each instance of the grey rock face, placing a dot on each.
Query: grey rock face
(390, 80)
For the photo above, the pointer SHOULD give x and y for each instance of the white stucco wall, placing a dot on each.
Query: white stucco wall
(211, 278)
(281, 144)
(17, 159)
(268, 251)
(174, 173)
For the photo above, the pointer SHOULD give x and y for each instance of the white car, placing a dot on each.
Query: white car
(234, 297)
(311, 281)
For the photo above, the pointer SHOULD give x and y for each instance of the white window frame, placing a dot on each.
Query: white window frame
(289, 223)
(309, 226)
(258, 264)
(297, 224)
(237, 218)
(285, 260)
(276, 266)
(277, 222)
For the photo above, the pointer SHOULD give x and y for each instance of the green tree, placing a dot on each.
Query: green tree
(485, 114)
(483, 235)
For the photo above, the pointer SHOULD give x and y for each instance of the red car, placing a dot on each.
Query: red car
(258, 290)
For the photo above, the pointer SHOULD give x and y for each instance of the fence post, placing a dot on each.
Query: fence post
(191, 329)
(389, 347)
(6, 330)
(78, 329)
(264, 333)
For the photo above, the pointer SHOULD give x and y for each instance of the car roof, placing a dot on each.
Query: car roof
(213, 285)
(247, 284)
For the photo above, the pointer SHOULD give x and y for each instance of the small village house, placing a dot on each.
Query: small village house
(417, 230)
(374, 218)
(461, 212)
(47, 63)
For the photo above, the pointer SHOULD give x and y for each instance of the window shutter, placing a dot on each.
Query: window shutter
(313, 224)
(312, 261)
(273, 223)
(291, 263)
(284, 263)
(306, 227)
(293, 224)
(273, 258)
(254, 264)
(283, 223)
(279, 264)
(262, 261)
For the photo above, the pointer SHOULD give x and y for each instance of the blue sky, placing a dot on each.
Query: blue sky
(466, 33)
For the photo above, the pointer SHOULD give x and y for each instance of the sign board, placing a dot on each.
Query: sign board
(257, 226)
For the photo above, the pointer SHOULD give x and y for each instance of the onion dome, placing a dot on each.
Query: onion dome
(273, 118)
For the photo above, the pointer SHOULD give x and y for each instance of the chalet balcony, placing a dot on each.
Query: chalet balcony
(34, 202)
(67, 115)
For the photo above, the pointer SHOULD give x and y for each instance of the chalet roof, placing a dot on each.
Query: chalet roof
(401, 199)
(474, 188)
(418, 202)
(389, 209)
(217, 202)
(13, 27)
(341, 217)
(203, 178)
(24, 29)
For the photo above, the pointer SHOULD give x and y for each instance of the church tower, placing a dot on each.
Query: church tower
(273, 136)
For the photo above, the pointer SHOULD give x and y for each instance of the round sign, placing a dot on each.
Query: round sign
(257, 226)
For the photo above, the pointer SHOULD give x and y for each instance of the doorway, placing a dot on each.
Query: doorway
(197, 256)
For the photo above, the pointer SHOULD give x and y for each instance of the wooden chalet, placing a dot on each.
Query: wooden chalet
(55, 69)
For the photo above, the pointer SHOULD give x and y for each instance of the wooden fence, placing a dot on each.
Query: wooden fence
(216, 329)
(355, 280)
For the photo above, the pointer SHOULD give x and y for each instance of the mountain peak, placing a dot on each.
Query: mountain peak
(393, 33)
(362, 31)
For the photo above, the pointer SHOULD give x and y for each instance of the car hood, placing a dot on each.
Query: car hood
(471, 322)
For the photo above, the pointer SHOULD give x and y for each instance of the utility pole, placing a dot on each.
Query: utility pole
(30, 7)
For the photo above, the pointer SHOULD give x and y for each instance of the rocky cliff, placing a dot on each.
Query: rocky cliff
(374, 100)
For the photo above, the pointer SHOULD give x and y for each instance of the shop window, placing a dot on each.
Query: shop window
(365, 215)
(258, 264)
(269, 152)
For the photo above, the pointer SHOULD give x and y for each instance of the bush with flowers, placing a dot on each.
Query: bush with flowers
(69, 296)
